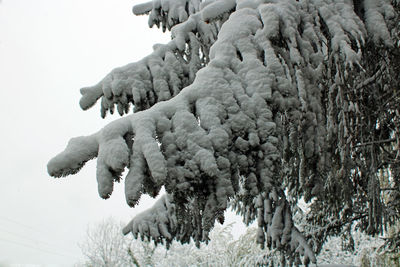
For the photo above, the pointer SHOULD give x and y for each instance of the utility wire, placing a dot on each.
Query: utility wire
(3, 218)
(34, 240)
(21, 224)
(36, 248)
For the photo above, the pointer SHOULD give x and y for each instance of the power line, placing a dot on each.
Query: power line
(21, 224)
(34, 240)
(3, 218)
(36, 248)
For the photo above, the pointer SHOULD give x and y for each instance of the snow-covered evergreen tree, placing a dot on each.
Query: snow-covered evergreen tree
(255, 104)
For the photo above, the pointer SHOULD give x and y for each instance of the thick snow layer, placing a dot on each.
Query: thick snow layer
(167, 13)
(217, 9)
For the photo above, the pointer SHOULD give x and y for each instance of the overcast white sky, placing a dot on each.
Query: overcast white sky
(48, 50)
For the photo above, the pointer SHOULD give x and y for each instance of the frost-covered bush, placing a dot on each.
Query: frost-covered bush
(364, 248)
(256, 104)
(105, 246)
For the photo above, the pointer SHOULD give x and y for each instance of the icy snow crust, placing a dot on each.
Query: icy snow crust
(231, 97)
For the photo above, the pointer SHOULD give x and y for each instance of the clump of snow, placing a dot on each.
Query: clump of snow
(78, 151)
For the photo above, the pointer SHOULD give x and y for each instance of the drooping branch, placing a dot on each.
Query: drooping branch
(157, 77)
(268, 117)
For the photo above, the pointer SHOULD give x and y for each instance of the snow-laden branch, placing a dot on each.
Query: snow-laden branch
(162, 74)
(253, 119)
(157, 77)
(167, 13)
(159, 222)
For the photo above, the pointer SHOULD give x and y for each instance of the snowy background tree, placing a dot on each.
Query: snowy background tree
(105, 241)
(255, 105)
(105, 246)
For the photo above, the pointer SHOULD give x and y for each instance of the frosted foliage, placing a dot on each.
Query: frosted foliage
(105, 245)
(364, 247)
(238, 109)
